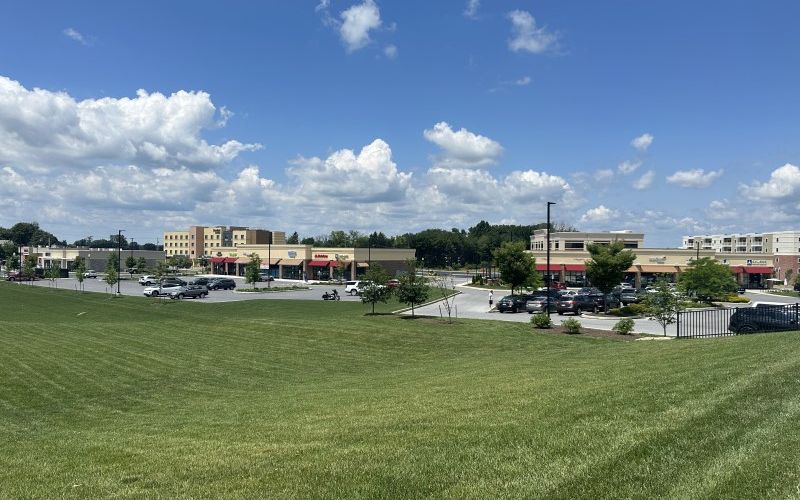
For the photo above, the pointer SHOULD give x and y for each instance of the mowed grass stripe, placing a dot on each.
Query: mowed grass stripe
(310, 399)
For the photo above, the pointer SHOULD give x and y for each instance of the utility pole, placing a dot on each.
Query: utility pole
(269, 261)
(547, 273)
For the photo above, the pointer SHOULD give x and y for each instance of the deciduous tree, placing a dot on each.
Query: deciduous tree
(707, 279)
(252, 272)
(663, 304)
(606, 269)
(413, 289)
(517, 268)
(375, 289)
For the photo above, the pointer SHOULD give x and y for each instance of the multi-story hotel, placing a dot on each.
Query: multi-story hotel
(228, 250)
(568, 256)
(201, 241)
(782, 247)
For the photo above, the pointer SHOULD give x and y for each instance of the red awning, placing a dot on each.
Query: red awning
(230, 260)
(321, 263)
(217, 260)
(574, 267)
(553, 267)
(757, 270)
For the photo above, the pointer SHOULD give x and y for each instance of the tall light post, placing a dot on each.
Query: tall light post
(269, 261)
(547, 273)
(119, 258)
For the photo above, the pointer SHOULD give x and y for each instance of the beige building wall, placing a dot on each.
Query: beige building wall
(177, 243)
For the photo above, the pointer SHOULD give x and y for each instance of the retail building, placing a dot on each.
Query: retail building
(94, 258)
(198, 241)
(568, 256)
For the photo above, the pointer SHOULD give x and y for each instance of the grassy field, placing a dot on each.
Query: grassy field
(130, 397)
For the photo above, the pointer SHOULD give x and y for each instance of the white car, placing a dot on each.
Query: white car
(90, 273)
(353, 287)
(148, 280)
(155, 291)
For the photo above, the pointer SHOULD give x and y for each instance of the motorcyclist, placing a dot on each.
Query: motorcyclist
(335, 294)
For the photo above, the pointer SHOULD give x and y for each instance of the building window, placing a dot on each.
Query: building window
(573, 245)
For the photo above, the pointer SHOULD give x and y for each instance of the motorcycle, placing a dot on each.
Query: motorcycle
(333, 295)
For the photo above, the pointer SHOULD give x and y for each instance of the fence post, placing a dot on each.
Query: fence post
(678, 325)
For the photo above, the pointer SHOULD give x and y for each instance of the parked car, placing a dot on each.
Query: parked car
(606, 302)
(193, 291)
(393, 283)
(797, 287)
(538, 303)
(567, 293)
(155, 290)
(221, 284)
(764, 318)
(512, 303)
(90, 273)
(173, 281)
(352, 287)
(557, 285)
(589, 290)
(576, 304)
(148, 280)
(629, 296)
(201, 281)
(20, 276)
(266, 277)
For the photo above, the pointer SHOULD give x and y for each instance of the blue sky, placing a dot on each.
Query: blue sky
(280, 98)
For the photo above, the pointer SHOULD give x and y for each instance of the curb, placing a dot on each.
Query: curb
(426, 303)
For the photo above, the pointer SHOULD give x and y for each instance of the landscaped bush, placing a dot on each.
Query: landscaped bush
(735, 299)
(629, 310)
(624, 326)
(571, 325)
(541, 320)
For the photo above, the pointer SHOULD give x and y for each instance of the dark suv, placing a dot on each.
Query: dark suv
(764, 318)
(576, 304)
(221, 284)
(172, 282)
(512, 303)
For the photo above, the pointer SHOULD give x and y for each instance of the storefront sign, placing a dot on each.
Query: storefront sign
(755, 262)
(292, 254)
(321, 256)
(657, 260)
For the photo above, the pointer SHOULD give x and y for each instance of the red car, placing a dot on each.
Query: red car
(557, 285)
(393, 283)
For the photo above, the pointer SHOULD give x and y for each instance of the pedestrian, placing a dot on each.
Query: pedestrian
(491, 298)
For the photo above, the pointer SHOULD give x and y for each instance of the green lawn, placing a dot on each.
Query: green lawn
(130, 397)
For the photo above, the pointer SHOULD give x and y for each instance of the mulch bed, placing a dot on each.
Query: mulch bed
(587, 332)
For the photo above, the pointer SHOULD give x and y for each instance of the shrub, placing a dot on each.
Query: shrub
(623, 326)
(629, 310)
(541, 320)
(735, 299)
(571, 325)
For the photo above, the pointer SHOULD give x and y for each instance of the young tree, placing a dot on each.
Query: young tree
(203, 261)
(112, 277)
(341, 266)
(446, 290)
(13, 262)
(30, 267)
(180, 262)
(607, 267)
(517, 268)
(789, 275)
(252, 272)
(707, 279)
(130, 262)
(663, 304)
(80, 271)
(54, 272)
(413, 289)
(141, 264)
(375, 289)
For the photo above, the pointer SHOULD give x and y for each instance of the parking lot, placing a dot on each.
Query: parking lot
(134, 289)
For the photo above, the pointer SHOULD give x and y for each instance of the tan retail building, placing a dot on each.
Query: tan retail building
(568, 256)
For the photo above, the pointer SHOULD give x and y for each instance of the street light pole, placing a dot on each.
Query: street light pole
(119, 258)
(269, 261)
(547, 273)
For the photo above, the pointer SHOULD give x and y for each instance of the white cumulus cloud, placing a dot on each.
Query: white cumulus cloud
(357, 22)
(527, 37)
(784, 182)
(645, 181)
(643, 142)
(599, 214)
(628, 167)
(76, 35)
(41, 129)
(471, 11)
(462, 148)
(697, 178)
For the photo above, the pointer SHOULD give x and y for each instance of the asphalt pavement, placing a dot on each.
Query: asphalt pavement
(134, 289)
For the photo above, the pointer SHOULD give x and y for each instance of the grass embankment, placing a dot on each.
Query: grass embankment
(105, 397)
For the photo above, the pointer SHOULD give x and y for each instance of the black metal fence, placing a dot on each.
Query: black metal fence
(738, 321)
